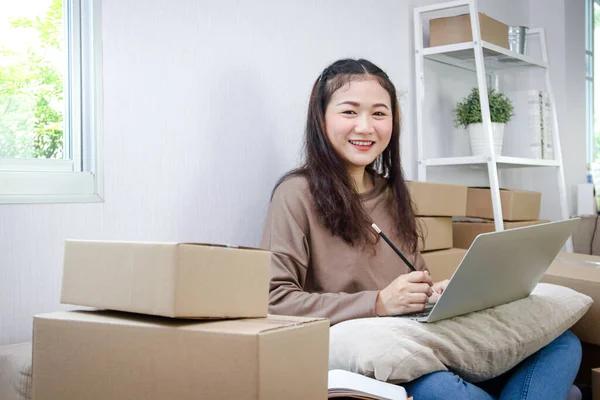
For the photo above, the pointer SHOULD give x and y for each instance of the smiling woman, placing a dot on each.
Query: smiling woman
(327, 260)
(359, 131)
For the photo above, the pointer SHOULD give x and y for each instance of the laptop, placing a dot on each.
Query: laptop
(498, 268)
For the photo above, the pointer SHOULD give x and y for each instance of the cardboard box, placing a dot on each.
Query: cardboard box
(168, 279)
(437, 233)
(464, 232)
(427, 199)
(596, 239)
(443, 263)
(110, 355)
(584, 236)
(581, 273)
(517, 205)
(596, 384)
(457, 29)
(590, 359)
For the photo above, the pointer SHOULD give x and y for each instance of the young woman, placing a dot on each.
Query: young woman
(327, 260)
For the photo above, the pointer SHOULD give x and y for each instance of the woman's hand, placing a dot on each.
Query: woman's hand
(438, 289)
(406, 294)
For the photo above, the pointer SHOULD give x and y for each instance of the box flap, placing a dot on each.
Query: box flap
(114, 317)
(444, 252)
(150, 243)
(221, 245)
(271, 323)
(251, 326)
(507, 224)
(136, 242)
(433, 184)
(502, 189)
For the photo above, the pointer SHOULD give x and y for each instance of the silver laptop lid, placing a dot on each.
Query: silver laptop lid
(501, 267)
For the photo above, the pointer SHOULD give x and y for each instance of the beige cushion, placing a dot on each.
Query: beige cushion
(15, 372)
(477, 346)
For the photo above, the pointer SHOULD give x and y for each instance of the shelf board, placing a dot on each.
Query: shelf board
(495, 57)
(481, 161)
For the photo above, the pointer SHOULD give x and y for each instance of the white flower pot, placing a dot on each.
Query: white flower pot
(477, 139)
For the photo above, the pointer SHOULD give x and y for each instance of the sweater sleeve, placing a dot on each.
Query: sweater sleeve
(286, 234)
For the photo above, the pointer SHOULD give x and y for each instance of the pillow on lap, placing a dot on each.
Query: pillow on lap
(476, 346)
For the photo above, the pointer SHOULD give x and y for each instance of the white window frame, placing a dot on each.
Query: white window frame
(80, 177)
(589, 81)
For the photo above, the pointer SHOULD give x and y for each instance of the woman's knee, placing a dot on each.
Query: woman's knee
(569, 338)
(569, 341)
(569, 347)
(443, 385)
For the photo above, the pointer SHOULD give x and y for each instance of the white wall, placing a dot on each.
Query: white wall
(204, 109)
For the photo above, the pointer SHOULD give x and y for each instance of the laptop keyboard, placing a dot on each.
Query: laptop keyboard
(421, 314)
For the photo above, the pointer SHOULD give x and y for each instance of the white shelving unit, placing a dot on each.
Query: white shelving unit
(485, 60)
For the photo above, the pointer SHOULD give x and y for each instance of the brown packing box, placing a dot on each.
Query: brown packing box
(167, 279)
(590, 359)
(596, 239)
(103, 355)
(426, 196)
(581, 273)
(457, 29)
(443, 263)
(517, 205)
(596, 384)
(464, 232)
(437, 233)
(584, 236)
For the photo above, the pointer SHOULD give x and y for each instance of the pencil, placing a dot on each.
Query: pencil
(393, 247)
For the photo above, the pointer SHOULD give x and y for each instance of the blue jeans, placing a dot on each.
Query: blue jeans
(547, 374)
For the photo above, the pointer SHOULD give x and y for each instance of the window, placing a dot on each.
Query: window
(50, 101)
(592, 91)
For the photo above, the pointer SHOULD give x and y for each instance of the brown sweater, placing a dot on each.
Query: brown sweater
(316, 274)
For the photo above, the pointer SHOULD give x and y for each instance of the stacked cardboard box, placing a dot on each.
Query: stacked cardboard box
(585, 239)
(457, 29)
(187, 321)
(519, 208)
(434, 218)
(581, 272)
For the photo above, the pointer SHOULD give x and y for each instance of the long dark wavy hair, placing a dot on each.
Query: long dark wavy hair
(335, 196)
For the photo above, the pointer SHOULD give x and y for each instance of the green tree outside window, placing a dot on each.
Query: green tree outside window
(31, 88)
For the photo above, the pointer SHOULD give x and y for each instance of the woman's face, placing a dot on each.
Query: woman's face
(359, 122)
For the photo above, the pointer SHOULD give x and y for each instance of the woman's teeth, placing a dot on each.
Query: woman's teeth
(361, 143)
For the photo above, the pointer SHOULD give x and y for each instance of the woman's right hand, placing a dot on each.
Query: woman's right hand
(406, 294)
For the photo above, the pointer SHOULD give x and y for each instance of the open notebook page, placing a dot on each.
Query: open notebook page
(344, 383)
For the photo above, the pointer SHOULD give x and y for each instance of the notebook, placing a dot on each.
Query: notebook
(351, 385)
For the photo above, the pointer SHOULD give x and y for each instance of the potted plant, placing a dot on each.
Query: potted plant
(468, 115)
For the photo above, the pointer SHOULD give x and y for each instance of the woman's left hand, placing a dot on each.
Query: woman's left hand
(438, 289)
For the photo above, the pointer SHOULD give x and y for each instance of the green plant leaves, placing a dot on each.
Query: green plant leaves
(468, 111)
